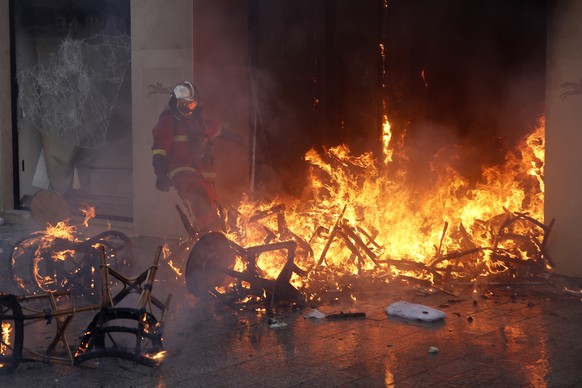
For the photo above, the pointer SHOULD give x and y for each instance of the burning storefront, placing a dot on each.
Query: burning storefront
(439, 173)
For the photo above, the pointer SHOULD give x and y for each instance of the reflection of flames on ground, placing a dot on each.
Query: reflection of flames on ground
(360, 217)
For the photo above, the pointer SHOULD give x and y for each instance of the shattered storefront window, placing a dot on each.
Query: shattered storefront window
(72, 72)
(70, 98)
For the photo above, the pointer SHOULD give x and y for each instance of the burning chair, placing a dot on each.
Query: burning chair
(58, 258)
(518, 248)
(211, 262)
(101, 338)
(16, 313)
(212, 256)
(40, 264)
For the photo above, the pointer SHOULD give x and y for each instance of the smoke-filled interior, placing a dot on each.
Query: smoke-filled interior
(459, 79)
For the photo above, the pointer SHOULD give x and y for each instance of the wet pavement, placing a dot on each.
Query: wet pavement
(509, 335)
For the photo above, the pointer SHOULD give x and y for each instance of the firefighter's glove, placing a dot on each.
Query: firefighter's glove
(160, 165)
(163, 183)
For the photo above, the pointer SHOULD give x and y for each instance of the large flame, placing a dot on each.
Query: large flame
(384, 218)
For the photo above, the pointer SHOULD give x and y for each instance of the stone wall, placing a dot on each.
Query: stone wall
(563, 169)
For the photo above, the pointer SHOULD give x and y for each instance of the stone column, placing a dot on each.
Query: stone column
(563, 167)
(161, 52)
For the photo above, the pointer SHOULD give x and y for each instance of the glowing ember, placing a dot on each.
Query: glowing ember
(166, 252)
(423, 76)
(159, 356)
(177, 270)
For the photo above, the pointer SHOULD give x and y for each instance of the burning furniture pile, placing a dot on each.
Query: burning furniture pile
(363, 220)
(59, 257)
(517, 252)
(210, 266)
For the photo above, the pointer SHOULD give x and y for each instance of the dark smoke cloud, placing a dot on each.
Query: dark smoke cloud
(483, 61)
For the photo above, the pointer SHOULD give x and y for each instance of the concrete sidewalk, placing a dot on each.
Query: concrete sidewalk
(512, 335)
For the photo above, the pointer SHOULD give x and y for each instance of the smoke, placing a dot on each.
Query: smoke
(470, 74)
(459, 77)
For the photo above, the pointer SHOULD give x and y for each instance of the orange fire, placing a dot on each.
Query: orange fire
(52, 245)
(396, 221)
(166, 254)
(6, 330)
(386, 137)
(158, 357)
(62, 230)
(423, 76)
(89, 213)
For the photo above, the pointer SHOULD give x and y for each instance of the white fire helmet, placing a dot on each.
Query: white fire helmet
(187, 97)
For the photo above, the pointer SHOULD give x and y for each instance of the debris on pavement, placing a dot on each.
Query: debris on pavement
(567, 291)
(276, 324)
(315, 313)
(415, 311)
(343, 315)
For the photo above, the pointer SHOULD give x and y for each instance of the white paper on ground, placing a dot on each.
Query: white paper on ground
(415, 311)
(315, 314)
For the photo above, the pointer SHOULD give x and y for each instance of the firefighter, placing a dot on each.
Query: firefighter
(183, 157)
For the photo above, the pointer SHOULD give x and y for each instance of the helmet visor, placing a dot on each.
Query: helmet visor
(187, 106)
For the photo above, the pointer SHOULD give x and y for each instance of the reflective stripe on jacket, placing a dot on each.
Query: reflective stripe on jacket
(186, 142)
